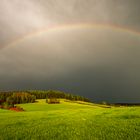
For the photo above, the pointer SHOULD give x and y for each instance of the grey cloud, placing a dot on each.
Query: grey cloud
(18, 18)
(99, 63)
(102, 64)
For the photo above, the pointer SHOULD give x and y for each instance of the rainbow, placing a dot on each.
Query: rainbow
(75, 25)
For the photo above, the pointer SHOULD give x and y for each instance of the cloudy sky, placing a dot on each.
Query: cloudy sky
(87, 47)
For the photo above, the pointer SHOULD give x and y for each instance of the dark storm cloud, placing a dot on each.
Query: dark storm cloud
(95, 63)
(102, 64)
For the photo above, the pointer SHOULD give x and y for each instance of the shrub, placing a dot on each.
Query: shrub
(53, 101)
(17, 108)
(6, 105)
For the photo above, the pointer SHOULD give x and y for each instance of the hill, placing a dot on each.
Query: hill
(70, 121)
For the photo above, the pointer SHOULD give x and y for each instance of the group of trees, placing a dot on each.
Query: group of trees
(18, 97)
(10, 99)
(57, 94)
(21, 97)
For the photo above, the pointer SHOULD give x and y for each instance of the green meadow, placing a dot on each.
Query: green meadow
(70, 121)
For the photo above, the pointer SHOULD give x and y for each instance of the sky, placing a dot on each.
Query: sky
(90, 48)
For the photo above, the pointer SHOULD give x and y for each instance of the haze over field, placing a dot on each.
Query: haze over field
(90, 48)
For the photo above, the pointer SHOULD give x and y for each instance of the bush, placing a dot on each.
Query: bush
(53, 101)
(1, 106)
(6, 105)
(17, 108)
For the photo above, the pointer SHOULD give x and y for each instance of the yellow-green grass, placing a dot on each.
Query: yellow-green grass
(70, 121)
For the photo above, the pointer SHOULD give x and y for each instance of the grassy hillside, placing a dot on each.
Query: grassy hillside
(70, 121)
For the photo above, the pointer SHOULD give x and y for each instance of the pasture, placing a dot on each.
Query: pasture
(70, 121)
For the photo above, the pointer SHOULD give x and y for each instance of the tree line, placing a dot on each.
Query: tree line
(57, 94)
(18, 97)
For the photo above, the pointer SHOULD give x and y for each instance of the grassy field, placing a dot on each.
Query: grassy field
(70, 121)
